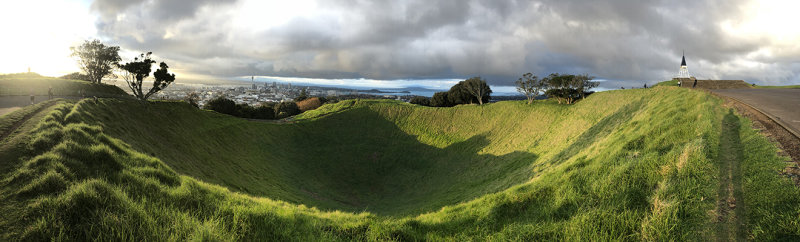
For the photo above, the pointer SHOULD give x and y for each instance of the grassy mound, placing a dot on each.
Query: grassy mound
(35, 84)
(633, 164)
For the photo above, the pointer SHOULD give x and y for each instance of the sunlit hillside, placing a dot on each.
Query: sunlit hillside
(623, 165)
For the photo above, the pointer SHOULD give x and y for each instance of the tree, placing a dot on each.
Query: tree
(264, 111)
(221, 105)
(459, 95)
(192, 98)
(136, 71)
(76, 76)
(286, 109)
(420, 100)
(584, 83)
(478, 88)
(303, 95)
(568, 88)
(531, 86)
(309, 104)
(96, 59)
(440, 99)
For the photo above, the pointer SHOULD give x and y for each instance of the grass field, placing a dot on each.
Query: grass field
(34, 84)
(643, 164)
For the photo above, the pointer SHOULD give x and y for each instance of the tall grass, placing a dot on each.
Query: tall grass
(620, 165)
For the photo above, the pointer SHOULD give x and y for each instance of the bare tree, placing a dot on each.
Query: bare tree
(531, 86)
(96, 59)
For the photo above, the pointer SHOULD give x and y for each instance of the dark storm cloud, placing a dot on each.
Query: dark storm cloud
(627, 41)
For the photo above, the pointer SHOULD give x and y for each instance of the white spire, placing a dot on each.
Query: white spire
(684, 71)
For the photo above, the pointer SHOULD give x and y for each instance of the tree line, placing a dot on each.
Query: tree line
(471, 91)
(98, 61)
(266, 110)
(565, 88)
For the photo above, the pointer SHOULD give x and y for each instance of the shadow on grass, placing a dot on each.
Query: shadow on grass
(598, 131)
(370, 164)
(353, 161)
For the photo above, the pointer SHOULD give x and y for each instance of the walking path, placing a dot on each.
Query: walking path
(730, 213)
(24, 119)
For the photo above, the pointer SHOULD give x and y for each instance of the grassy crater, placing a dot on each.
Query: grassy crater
(621, 165)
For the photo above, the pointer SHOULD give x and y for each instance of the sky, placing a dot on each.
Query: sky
(421, 43)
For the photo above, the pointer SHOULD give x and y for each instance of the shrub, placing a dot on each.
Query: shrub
(192, 98)
(222, 105)
(309, 104)
(75, 76)
(420, 100)
(441, 99)
(286, 109)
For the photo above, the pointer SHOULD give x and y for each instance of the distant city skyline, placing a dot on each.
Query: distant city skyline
(417, 43)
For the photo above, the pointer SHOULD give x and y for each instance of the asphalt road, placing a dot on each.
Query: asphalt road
(784, 104)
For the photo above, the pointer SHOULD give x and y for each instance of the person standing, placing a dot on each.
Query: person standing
(50, 93)
(32, 98)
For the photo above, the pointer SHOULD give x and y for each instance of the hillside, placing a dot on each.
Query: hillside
(626, 165)
(35, 84)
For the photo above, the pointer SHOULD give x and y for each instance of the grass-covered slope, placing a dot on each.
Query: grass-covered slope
(35, 84)
(633, 165)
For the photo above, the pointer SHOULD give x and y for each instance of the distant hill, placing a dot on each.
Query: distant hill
(35, 84)
(641, 164)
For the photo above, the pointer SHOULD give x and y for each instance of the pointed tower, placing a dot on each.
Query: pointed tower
(684, 71)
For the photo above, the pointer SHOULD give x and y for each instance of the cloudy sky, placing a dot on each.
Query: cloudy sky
(414, 42)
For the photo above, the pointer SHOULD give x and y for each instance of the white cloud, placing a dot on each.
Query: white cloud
(627, 41)
(38, 34)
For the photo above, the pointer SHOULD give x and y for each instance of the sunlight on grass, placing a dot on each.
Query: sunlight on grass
(620, 165)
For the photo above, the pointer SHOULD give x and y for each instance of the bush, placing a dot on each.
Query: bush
(420, 100)
(441, 99)
(245, 111)
(222, 105)
(192, 98)
(309, 104)
(75, 76)
(265, 111)
(286, 109)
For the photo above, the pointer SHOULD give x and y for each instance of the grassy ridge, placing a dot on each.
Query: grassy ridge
(628, 165)
(35, 84)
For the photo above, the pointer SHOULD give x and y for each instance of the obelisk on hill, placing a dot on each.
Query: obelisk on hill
(684, 71)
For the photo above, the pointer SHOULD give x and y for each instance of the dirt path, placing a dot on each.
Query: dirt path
(730, 224)
(24, 119)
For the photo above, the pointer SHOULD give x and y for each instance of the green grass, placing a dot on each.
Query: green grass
(32, 83)
(621, 165)
(670, 83)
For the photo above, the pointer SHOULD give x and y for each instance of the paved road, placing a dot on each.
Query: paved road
(783, 104)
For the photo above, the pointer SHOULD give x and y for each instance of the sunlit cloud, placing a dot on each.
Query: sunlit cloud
(38, 34)
(393, 43)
